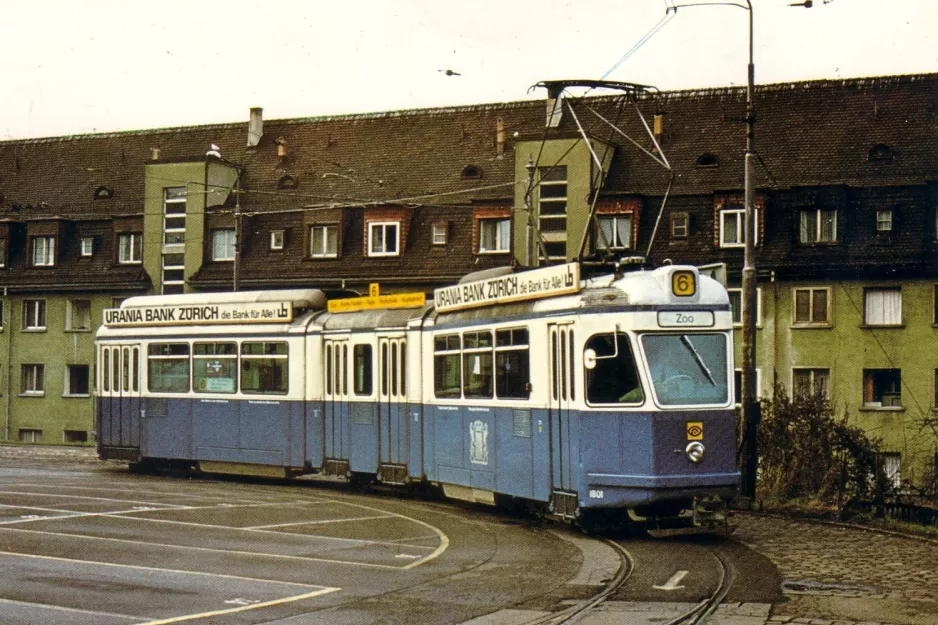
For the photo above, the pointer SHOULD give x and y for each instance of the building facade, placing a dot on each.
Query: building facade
(846, 227)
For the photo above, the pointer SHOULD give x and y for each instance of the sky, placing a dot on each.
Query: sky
(83, 66)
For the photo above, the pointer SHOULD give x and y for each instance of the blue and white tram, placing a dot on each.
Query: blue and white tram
(611, 394)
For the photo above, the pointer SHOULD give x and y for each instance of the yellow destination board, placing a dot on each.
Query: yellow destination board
(398, 300)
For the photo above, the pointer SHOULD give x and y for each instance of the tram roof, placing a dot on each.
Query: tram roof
(300, 298)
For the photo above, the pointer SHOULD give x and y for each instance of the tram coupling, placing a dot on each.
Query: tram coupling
(705, 516)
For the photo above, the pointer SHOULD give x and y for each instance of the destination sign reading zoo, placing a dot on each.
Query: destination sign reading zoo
(254, 312)
(533, 284)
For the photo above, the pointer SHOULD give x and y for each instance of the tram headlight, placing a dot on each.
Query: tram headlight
(695, 451)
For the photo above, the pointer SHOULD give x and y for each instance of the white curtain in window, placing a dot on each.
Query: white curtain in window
(883, 307)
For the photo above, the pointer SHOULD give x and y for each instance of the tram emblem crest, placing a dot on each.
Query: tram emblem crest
(479, 442)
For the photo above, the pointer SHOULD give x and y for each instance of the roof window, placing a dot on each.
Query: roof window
(707, 160)
(288, 182)
(103, 193)
(471, 172)
(880, 152)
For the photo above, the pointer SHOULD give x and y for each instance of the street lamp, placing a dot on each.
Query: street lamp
(750, 408)
(749, 456)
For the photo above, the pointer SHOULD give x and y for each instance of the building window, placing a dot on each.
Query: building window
(616, 231)
(888, 466)
(2, 306)
(30, 435)
(77, 380)
(733, 227)
(818, 226)
(72, 437)
(129, 248)
(78, 314)
(87, 246)
(680, 225)
(552, 210)
(174, 273)
(32, 380)
(174, 216)
(884, 220)
(440, 232)
(223, 245)
(736, 306)
(43, 251)
(34, 314)
(882, 307)
(738, 386)
(494, 235)
(811, 383)
(812, 306)
(3, 252)
(276, 240)
(882, 388)
(324, 241)
(384, 238)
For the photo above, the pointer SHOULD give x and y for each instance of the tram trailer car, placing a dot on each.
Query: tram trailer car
(608, 398)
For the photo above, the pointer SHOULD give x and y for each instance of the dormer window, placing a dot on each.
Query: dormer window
(707, 160)
(103, 193)
(288, 182)
(880, 152)
(43, 251)
(87, 246)
(471, 172)
(884, 220)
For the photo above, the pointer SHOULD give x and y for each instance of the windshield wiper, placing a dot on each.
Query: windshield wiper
(700, 362)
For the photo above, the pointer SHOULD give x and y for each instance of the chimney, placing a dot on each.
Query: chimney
(554, 111)
(255, 126)
(499, 138)
(154, 154)
(659, 127)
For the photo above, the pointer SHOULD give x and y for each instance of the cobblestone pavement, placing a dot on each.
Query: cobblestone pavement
(833, 575)
(836, 574)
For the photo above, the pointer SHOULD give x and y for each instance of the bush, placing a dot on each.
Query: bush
(806, 453)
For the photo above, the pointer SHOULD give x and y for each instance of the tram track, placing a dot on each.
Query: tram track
(698, 614)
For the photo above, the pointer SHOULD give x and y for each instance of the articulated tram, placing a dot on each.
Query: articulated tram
(610, 396)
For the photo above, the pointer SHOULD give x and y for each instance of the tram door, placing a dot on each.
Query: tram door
(392, 407)
(336, 408)
(562, 395)
(119, 404)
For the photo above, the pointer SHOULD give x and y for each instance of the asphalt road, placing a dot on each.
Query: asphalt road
(84, 542)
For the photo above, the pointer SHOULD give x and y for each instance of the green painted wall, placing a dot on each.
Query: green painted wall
(582, 175)
(55, 347)
(846, 347)
(159, 176)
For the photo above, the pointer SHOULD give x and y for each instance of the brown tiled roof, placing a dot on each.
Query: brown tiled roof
(816, 133)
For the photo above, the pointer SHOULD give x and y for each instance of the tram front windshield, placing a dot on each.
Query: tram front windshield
(687, 368)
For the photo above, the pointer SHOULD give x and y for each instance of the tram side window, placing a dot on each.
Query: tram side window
(106, 368)
(264, 367)
(477, 363)
(215, 367)
(512, 364)
(363, 364)
(614, 379)
(447, 370)
(168, 367)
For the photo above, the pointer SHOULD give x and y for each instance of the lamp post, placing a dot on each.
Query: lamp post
(751, 410)
(748, 461)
